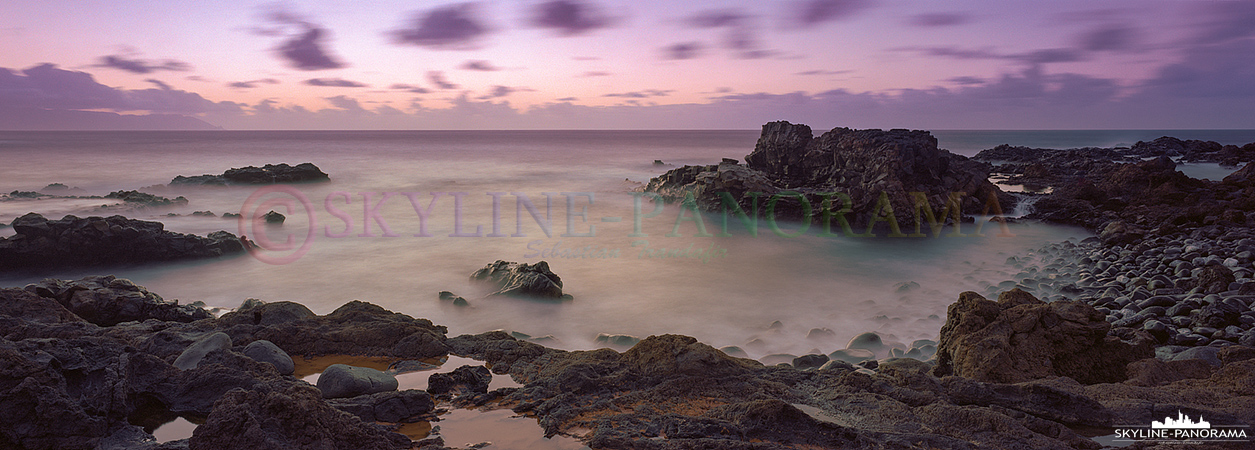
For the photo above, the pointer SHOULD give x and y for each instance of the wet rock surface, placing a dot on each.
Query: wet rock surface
(268, 174)
(96, 241)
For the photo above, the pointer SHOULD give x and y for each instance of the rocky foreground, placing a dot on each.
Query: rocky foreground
(89, 363)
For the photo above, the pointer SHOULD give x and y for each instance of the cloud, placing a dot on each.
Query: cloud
(1108, 38)
(437, 79)
(1224, 22)
(569, 17)
(344, 102)
(452, 27)
(498, 91)
(305, 47)
(335, 82)
(966, 80)
(739, 35)
(48, 87)
(158, 83)
(940, 19)
(567, 99)
(1042, 56)
(252, 84)
(642, 94)
(682, 50)
(716, 18)
(142, 66)
(479, 65)
(809, 13)
(822, 72)
(410, 88)
(595, 73)
(305, 52)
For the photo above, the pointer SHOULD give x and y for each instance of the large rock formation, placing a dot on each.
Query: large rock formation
(1020, 338)
(871, 167)
(268, 174)
(95, 241)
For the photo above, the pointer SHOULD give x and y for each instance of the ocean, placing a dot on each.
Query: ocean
(408, 214)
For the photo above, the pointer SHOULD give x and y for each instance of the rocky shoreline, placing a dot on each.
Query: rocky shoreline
(1011, 373)
(1156, 314)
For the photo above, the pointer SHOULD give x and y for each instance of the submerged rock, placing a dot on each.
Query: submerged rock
(96, 241)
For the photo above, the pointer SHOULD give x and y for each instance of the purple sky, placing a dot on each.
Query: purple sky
(570, 64)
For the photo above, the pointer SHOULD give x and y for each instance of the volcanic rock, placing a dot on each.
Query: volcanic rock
(95, 241)
(520, 279)
(1019, 338)
(268, 174)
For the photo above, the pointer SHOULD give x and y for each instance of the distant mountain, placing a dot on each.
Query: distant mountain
(32, 119)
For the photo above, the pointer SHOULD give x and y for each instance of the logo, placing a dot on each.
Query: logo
(1182, 429)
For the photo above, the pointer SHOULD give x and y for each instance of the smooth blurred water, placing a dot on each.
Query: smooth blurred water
(843, 284)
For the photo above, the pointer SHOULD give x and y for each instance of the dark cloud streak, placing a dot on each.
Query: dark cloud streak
(452, 27)
(141, 66)
(335, 82)
(569, 17)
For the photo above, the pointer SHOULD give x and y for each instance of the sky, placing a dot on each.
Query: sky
(609, 64)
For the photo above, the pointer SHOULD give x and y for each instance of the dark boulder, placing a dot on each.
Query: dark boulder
(267, 352)
(520, 279)
(473, 379)
(355, 328)
(286, 416)
(391, 407)
(96, 241)
(1019, 338)
(268, 174)
(108, 300)
(340, 381)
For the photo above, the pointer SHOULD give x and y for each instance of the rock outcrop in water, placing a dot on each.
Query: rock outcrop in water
(1151, 196)
(268, 174)
(871, 167)
(520, 280)
(97, 241)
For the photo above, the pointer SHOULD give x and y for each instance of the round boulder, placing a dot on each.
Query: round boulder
(342, 381)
